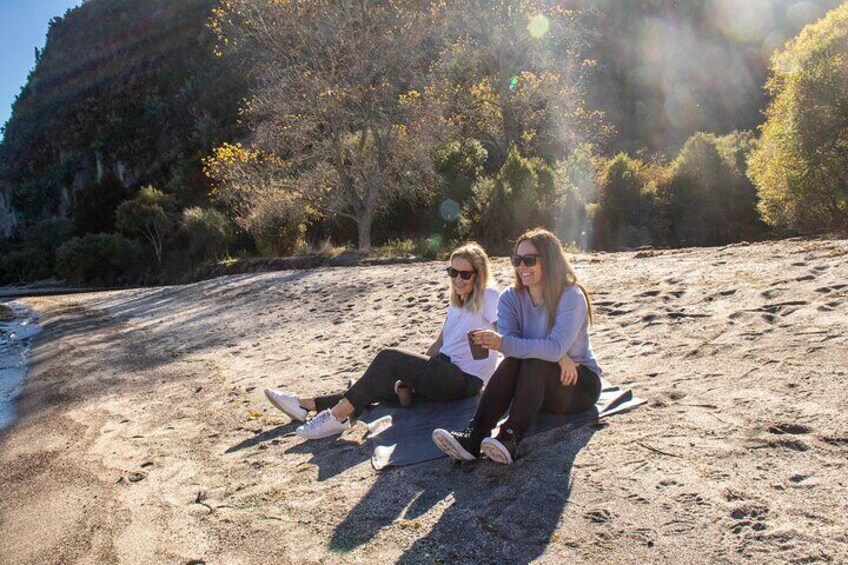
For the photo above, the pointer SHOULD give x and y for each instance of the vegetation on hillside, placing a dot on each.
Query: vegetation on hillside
(153, 136)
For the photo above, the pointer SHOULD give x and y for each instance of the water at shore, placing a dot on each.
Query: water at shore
(15, 337)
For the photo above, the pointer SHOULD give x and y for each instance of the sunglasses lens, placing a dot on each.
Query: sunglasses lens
(452, 273)
(466, 275)
(529, 260)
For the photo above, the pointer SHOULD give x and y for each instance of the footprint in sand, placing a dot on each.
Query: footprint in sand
(749, 517)
(649, 293)
(792, 429)
(600, 516)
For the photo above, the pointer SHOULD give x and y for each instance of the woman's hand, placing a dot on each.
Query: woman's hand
(488, 339)
(568, 371)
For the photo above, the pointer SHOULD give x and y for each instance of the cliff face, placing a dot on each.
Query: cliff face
(128, 90)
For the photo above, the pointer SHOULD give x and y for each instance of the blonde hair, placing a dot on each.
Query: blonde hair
(476, 255)
(557, 273)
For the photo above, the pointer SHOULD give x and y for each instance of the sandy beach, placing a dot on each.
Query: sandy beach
(144, 436)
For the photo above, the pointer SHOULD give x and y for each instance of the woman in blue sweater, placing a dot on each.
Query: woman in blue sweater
(543, 333)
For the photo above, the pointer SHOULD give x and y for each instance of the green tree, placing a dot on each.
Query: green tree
(510, 75)
(623, 208)
(801, 164)
(708, 199)
(149, 215)
(522, 195)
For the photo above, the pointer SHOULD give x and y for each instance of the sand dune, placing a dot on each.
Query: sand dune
(145, 437)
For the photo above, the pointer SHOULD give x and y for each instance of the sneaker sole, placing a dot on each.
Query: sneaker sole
(322, 436)
(495, 451)
(450, 446)
(284, 410)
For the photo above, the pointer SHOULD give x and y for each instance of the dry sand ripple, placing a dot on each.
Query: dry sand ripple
(145, 437)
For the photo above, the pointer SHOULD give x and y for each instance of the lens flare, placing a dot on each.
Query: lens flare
(449, 210)
(538, 26)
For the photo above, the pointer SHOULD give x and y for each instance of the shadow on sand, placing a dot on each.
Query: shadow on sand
(488, 512)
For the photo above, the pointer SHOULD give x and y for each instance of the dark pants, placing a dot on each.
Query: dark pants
(434, 378)
(532, 386)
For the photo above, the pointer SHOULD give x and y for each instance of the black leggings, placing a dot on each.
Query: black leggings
(434, 378)
(532, 386)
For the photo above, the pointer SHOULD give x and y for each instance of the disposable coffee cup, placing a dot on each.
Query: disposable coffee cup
(477, 351)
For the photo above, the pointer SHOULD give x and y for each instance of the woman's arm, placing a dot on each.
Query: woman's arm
(433, 350)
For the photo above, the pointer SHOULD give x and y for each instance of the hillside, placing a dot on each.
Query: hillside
(125, 92)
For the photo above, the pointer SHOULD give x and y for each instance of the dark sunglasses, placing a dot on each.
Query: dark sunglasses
(452, 273)
(529, 259)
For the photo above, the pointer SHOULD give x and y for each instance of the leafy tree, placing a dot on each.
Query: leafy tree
(338, 99)
(520, 196)
(94, 207)
(150, 215)
(801, 164)
(511, 76)
(622, 215)
(709, 199)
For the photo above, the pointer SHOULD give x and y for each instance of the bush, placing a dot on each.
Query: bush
(34, 256)
(49, 235)
(708, 199)
(102, 259)
(28, 263)
(521, 196)
(625, 204)
(208, 231)
(801, 162)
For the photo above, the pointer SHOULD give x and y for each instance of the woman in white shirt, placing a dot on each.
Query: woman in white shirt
(447, 372)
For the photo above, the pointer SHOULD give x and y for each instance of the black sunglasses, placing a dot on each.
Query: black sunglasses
(529, 259)
(452, 273)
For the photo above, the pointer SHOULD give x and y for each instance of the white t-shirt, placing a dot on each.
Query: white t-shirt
(458, 323)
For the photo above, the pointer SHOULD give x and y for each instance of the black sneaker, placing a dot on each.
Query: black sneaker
(502, 449)
(464, 445)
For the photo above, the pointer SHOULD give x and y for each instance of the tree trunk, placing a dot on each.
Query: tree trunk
(363, 225)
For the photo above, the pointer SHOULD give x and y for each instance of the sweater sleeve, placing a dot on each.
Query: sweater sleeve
(571, 316)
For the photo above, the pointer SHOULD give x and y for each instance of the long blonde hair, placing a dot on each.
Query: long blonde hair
(557, 273)
(476, 255)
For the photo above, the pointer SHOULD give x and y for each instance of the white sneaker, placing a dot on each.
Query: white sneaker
(321, 426)
(287, 402)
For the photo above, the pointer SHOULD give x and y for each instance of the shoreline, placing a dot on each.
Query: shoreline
(18, 327)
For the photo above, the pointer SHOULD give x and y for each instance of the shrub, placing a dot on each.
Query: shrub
(708, 199)
(800, 164)
(208, 231)
(625, 204)
(26, 264)
(521, 196)
(97, 259)
(49, 235)
(34, 256)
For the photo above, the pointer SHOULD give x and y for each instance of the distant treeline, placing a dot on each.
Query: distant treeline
(154, 136)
